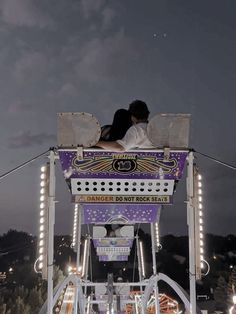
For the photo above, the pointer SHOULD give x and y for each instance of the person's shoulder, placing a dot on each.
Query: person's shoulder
(140, 126)
(105, 132)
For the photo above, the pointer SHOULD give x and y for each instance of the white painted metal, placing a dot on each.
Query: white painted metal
(154, 267)
(99, 232)
(77, 257)
(77, 129)
(121, 187)
(125, 231)
(191, 233)
(169, 130)
(139, 261)
(51, 222)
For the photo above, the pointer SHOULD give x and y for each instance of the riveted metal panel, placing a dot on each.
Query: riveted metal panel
(77, 129)
(169, 130)
(121, 187)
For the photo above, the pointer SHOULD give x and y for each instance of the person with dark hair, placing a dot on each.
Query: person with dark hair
(121, 123)
(136, 136)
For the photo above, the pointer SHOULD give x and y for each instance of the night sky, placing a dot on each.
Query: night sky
(97, 56)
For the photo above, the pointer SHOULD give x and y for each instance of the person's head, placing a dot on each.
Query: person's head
(121, 123)
(139, 111)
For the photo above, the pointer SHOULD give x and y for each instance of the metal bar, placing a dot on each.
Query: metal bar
(191, 233)
(116, 284)
(154, 268)
(77, 258)
(87, 255)
(139, 261)
(22, 165)
(51, 222)
(154, 265)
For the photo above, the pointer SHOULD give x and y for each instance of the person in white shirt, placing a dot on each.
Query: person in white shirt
(136, 136)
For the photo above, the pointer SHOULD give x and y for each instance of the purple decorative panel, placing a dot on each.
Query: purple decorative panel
(119, 213)
(117, 258)
(129, 165)
(111, 242)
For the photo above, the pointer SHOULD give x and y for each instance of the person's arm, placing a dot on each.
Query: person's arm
(113, 145)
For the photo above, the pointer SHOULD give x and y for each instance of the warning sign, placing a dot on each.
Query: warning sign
(122, 199)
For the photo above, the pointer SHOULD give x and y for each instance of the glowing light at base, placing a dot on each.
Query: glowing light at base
(167, 304)
(232, 310)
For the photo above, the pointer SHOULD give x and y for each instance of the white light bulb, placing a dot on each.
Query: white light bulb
(42, 183)
(40, 265)
(43, 169)
(42, 191)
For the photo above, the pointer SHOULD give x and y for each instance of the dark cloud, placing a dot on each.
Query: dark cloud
(24, 13)
(19, 107)
(89, 7)
(97, 56)
(26, 139)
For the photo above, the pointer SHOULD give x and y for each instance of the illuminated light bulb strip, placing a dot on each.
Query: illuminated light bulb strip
(200, 217)
(142, 259)
(42, 217)
(74, 238)
(157, 236)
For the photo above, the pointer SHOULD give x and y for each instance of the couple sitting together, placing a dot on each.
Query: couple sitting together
(128, 130)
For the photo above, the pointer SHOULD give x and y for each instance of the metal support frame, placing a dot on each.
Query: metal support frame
(51, 222)
(154, 268)
(139, 261)
(77, 258)
(86, 263)
(191, 233)
(78, 286)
